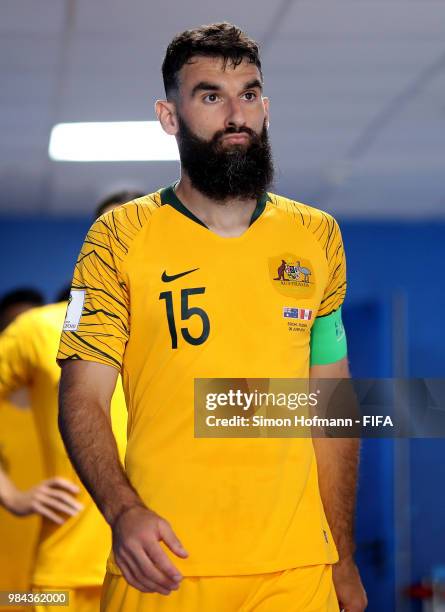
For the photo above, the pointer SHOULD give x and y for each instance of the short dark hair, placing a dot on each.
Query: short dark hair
(223, 40)
(21, 295)
(119, 197)
(63, 295)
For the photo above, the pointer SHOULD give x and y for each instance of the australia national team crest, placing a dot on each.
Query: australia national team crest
(292, 275)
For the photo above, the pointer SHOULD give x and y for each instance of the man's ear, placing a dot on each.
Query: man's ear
(166, 113)
(266, 109)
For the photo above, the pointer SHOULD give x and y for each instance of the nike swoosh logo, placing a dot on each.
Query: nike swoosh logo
(166, 278)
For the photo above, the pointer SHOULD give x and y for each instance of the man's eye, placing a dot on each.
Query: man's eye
(249, 95)
(211, 98)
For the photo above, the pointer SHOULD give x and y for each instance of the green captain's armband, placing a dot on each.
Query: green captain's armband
(328, 339)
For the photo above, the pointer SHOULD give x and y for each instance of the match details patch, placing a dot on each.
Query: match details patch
(292, 275)
(74, 310)
(297, 313)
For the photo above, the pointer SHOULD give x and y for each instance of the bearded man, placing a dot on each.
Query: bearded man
(182, 284)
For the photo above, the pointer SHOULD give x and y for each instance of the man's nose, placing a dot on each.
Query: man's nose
(235, 116)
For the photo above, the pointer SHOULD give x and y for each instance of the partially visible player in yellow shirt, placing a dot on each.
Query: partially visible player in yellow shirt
(18, 536)
(74, 539)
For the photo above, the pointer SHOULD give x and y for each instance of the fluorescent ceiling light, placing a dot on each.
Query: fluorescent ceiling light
(111, 141)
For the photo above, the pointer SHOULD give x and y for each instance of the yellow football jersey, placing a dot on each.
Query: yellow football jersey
(18, 535)
(163, 299)
(72, 554)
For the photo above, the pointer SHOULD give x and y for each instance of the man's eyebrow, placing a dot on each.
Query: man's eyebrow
(254, 83)
(205, 86)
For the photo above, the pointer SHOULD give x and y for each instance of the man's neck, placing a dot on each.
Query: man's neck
(229, 219)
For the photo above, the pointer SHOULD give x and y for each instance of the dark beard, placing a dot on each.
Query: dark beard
(222, 173)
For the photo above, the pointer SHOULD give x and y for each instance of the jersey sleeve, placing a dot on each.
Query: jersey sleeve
(335, 290)
(96, 326)
(328, 336)
(16, 355)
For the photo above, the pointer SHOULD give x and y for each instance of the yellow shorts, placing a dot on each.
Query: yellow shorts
(82, 599)
(302, 589)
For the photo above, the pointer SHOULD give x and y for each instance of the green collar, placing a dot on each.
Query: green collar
(168, 196)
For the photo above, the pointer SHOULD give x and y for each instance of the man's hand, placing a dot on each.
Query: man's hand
(144, 565)
(50, 498)
(348, 586)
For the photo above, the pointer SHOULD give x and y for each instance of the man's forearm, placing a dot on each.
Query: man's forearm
(337, 463)
(7, 489)
(337, 458)
(90, 443)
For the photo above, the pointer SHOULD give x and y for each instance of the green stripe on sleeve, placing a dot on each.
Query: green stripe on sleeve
(328, 339)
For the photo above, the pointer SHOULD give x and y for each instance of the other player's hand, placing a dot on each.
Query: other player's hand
(52, 498)
(348, 586)
(144, 564)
